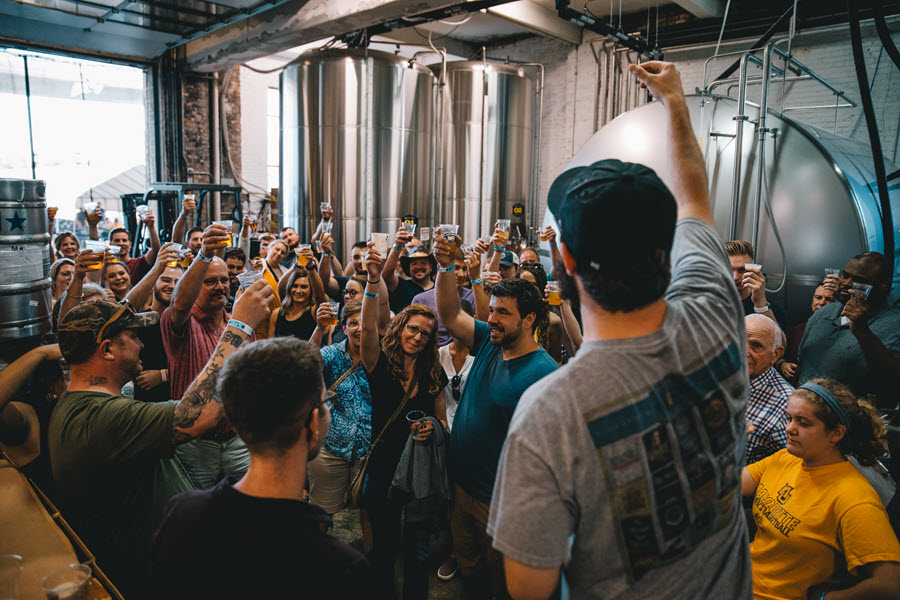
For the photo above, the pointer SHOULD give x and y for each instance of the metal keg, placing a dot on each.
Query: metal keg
(24, 259)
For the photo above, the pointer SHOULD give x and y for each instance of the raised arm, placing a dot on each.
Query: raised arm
(880, 361)
(93, 220)
(459, 324)
(17, 372)
(200, 409)
(498, 244)
(140, 293)
(188, 288)
(74, 293)
(187, 212)
(150, 222)
(482, 298)
(402, 238)
(687, 171)
(328, 282)
(370, 344)
(244, 237)
(570, 325)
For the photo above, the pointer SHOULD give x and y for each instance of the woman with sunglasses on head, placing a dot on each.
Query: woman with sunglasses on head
(822, 530)
(405, 374)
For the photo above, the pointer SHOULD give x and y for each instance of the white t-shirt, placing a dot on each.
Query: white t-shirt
(447, 363)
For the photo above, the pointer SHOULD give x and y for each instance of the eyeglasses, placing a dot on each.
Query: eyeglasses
(416, 332)
(212, 281)
(454, 387)
(353, 324)
(125, 306)
(351, 293)
(330, 397)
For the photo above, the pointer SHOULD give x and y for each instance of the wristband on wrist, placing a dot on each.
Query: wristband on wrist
(822, 595)
(761, 309)
(446, 269)
(476, 281)
(373, 282)
(240, 325)
(398, 247)
(326, 254)
(370, 295)
(165, 375)
(499, 248)
(552, 245)
(203, 258)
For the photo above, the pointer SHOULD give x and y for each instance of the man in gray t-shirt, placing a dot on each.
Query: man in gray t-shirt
(622, 469)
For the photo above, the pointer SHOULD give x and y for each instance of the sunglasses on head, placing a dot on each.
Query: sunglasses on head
(126, 305)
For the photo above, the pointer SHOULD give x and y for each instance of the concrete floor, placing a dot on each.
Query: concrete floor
(347, 529)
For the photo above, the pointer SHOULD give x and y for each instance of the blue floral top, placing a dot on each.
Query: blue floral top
(351, 415)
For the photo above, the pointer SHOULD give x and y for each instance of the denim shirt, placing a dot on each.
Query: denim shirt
(351, 415)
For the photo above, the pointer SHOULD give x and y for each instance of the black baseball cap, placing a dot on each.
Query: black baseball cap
(611, 209)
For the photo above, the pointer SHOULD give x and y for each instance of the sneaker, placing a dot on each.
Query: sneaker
(447, 571)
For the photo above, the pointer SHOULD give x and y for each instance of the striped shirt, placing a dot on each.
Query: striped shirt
(769, 395)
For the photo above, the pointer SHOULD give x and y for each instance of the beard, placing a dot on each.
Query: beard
(158, 296)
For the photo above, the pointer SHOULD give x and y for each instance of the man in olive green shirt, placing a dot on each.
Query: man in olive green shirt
(113, 457)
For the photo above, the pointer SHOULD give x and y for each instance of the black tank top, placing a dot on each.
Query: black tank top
(301, 328)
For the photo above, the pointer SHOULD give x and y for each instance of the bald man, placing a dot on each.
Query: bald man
(769, 392)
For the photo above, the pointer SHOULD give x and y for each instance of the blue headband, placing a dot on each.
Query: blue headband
(836, 407)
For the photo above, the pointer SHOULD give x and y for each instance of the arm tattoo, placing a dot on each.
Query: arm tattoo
(95, 380)
(202, 393)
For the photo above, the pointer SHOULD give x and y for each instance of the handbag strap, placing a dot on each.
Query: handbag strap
(412, 385)
(345, 375)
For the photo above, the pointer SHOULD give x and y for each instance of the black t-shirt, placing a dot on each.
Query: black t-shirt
(220, 543)
(404, 293)
(301, 328)
(386, 393)
(153, 357)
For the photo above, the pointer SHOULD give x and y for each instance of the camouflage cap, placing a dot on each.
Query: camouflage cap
(80, 327)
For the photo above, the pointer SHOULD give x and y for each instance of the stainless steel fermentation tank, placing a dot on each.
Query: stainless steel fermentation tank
(489, 132)
(24, 259)
(821, 188)
(356, 131)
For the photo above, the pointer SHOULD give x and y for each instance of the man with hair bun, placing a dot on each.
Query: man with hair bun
(621, 471)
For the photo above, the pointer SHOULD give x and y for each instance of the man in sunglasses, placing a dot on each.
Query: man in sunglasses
(856, 340)
(191, 328)
(208, 544)
(113, 457)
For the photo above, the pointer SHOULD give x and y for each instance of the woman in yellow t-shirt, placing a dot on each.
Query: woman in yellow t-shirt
(822, 530)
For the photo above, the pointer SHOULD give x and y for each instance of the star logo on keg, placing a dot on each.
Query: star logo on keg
(16, 222)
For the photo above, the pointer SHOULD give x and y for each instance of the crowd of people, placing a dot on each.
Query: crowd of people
(587, 436)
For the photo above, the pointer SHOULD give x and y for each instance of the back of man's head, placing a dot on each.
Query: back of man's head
(739, 248)
(617, 221)
(528, 298)
(268, 390)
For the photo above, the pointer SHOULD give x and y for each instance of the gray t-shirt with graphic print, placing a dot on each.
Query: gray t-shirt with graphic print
(624, 466)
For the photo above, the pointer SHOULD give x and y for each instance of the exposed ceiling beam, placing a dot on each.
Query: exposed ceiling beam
(703, 9)
(412, 37)
(539, 19)
(292, 24)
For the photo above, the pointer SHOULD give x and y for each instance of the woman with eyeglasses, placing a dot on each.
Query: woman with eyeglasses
(822, 529)
(297, 314)
(349, 436)
(405, 374)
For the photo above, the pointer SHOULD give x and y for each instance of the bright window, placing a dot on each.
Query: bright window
(272, 136)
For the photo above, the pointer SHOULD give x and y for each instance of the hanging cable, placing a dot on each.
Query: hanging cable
(722, 30)
(862, 113)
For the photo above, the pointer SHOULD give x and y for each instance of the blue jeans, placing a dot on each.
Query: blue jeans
(208, 461)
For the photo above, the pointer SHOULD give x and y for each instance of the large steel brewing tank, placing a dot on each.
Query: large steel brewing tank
(821, 189)
(356, 131)
(488, 141)
(24, 259)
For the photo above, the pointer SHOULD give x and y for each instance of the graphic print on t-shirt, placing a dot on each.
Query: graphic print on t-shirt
(670, 460)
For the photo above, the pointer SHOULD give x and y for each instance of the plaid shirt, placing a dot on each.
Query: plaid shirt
(765, 411)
